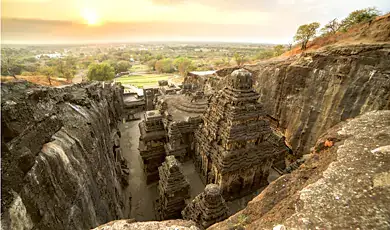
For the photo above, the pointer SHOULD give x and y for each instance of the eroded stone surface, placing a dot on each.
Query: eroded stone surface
(173, 189)
(150, 225)
(341, 186)
(61, 159)
(235, 146)
(151, 143)
(207, 208)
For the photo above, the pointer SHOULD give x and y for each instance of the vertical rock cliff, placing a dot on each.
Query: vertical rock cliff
(309, 93)
(61, 168)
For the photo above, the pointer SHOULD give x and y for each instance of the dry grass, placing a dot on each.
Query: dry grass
(38, 79)
(368, 32)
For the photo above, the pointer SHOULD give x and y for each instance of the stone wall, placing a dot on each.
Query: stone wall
(61, 165)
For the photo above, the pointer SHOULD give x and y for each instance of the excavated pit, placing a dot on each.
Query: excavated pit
(69, 161)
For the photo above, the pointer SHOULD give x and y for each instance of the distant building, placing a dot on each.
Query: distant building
(55, 55)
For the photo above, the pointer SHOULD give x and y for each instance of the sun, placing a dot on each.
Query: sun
(90, 16)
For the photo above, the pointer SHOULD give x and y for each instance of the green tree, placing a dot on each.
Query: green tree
(239, 59)
(264, 54)
(152, 64)
(331, 27)
(305, 33)
(278, 50)
(100, 72)
(164, 66)
(122, 66)
(48, 72)
(59, 66)
(183, 65)
(359, 16)
(8, 64)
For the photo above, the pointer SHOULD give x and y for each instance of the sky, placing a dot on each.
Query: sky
(81, 21)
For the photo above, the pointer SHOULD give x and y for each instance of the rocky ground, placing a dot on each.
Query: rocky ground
(344, 184)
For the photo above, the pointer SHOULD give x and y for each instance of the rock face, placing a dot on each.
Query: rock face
(173, 189)
(61, 163)
(149, 225)
(235, 146)
(309, 93)
(344, 184)
(207, 208)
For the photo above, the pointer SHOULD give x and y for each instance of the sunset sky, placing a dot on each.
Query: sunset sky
(74, 21)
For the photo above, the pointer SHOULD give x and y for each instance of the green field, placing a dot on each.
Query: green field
(142, 80)
(139, 68)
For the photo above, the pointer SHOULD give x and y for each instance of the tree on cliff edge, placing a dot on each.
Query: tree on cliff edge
(359, 16)
(100, 72)
(331, 28)
(305, 33)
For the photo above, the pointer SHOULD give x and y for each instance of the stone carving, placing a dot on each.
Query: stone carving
(207, 208)
(235, 146)
(151, 143)
(173, 190)
(197, 96)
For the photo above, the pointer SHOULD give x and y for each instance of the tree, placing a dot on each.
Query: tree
(359, 16)
(59, 66)
(48, 72)
(278, 50)
(100, 72)
(331, 28)
(305, 33)
(239, 59)
(290, 45)
(183, 65)
(164, 66)
(122, 66)
(152, 64)
(8, 65)
(264, 54)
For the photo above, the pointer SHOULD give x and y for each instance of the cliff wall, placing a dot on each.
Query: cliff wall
(60, 167)
(309, 93)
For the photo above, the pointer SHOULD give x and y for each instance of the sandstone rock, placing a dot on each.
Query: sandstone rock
(58, 164)
(207, 208)
(342, 186)
(149, 225)
(151, 143)
(309, 93)
(173, 189)
(235, 146)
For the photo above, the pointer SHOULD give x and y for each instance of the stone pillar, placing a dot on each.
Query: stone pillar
(207, 208)
(173, 190)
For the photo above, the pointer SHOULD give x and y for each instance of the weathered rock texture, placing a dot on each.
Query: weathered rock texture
(235, 146)
(149, 225)
(151, 143)
(207, 208)
(181, 118)
(309, 93)
(173, 189)
(344, 184)
(60, 162)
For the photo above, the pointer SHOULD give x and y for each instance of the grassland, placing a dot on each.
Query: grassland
(139, 68)
(142, 80)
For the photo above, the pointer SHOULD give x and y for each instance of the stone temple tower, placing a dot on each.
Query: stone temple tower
(235, 146)
(207, 208)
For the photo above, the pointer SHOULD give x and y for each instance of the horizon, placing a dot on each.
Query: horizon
(119, 21)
